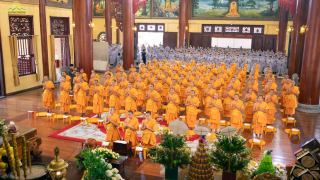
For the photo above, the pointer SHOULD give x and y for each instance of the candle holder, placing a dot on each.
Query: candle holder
(58, 167)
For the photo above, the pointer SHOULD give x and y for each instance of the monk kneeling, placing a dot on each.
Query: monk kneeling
(112, 122)
(149, 126)
(131, 125)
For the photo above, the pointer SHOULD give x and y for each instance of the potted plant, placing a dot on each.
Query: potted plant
(95, 165)
(172, 152)
(230, 154)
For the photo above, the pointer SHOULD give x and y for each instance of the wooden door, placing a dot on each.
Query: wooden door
(65, 53)
(257, 42)
(170, 39)
(206, 40)
(195, 40)
(270, 42)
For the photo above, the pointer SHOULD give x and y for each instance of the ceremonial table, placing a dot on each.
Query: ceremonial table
(29, 134)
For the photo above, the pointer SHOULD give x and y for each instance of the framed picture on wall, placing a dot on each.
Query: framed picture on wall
(98, 8)
(59, 3)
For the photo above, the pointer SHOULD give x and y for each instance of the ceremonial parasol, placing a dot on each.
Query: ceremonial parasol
(228, 131)
(178, 127)
(201, 131)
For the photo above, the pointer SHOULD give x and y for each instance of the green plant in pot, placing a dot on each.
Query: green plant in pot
(172, 152)
(230, 154)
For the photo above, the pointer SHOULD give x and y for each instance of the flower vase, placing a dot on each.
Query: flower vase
(171, 173)
(229, 176)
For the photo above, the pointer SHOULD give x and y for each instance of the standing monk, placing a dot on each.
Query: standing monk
(149, 126)
(172, 107)
(228, 96)
(112, 123)
(236, 108)
(47, 96)
(291, 99)
(114, 96)
(208, 95)
(152, 98)
(215, 106)
(67, 78)
(65, 102)
(158, 87)
(192, 104)
(260, 109)
(250, 99)
(123, 86)
(141, 87)
(131, 125)
(272, 101)
(107, 84)
(84, 75)
(98, 104)
(82, 101)
(131, 96)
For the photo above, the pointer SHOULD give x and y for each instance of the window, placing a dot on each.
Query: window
(22, 26)
(59, 25)
(207, 28)
(231, 29)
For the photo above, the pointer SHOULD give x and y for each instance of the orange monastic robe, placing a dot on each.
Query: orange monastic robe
(90, 97)
(141, 94)
(130, 103)
(183, 83)
(47, 96)
(114, 100)
(85, 77)
(65, 98)
(98, 103)
(172, 109)
(192, 111)
(200, 91)
(158, 87)
(107, 84)
(248, 109)
(260, 118)
(113, 133)
(272, 109)
(227, 102)
(272, 86)
(291, 101)
(131, 135)
(123, 86)
(68, 78)
(82, 100)
(236, 116)
(207, 100)
(152, 105)
(215, 115)
(149, 139)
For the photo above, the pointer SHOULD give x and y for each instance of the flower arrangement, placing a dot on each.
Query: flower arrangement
(266, 163)
(231, 154)
(172, 152)
(105, 153)
(96, 166)
(3, 126)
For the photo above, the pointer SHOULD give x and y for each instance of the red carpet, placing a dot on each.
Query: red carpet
(101, 128)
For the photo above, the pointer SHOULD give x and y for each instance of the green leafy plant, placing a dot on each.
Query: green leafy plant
(230, 153)
(266, 163)
(96, 166)
(172, 151)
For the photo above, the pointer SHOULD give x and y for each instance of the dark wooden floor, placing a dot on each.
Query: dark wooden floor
(15, 109)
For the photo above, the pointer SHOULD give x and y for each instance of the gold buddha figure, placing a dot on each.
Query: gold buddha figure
(233, 10)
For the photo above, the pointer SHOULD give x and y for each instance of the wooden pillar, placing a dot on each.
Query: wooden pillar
(44, 41)
(310, 72)
(117, 36)
(108, 21)
(283, 23)
(297, 39)
(183, 21)
(128, 33)
(83, 35)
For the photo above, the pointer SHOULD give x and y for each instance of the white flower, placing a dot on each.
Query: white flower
(102, 160)
(109, 173)
(109, 166)
(93, 151)
(115, 170)
(118, 177)
(113, 178)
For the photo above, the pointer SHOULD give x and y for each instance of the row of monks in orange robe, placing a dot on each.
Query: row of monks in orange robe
(179, 85)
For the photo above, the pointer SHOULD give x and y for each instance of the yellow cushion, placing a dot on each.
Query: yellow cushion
(105, 109)
(89, 108)
(138, 113)
(73, 106)
(122, 111)
(94, 120)
(182, 108)
(41, 114)
(59, 116)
